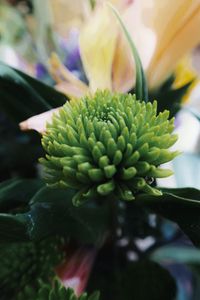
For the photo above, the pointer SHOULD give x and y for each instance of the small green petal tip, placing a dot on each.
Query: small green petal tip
(108, 143)
(53, 291)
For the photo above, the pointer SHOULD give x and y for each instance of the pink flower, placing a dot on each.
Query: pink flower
(74, 272)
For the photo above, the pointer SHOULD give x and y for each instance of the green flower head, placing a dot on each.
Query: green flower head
(23, 264)
(54, 291)
(108, 143)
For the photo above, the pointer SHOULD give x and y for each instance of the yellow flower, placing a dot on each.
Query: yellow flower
(97, 48)
(163, 32)
(176, 26)
(184, 74)
(99, 40)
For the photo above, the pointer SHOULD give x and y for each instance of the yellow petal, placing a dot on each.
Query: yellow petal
(123, 70)
(176, 25)
(71, 90)
(97, 45)
(38, 122)
(185, 73)
(123, 65)
(143, 36)
(67, 83)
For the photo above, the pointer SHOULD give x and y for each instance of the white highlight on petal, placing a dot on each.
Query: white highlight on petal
(38, 122)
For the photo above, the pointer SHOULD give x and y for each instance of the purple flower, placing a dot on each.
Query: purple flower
(40, 71)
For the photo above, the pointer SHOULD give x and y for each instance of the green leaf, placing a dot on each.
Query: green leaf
(16, 192)
(166, 92)
(13, 228)
(141, 88)
(146, 280)
(52, 212)
(22, 96)
(179, 205)
(94, 296)
(120, 279)
(51, 95)
(92, 3)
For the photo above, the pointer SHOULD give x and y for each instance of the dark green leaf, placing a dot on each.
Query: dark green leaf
(125, 280)
(94, 296)
(19, 151)
(15, 192)
(179, 205)
(52, 96)
(146, 280)
(137, 221)
(168, 97)
(13, 228)
(22, 96)
(52, 212)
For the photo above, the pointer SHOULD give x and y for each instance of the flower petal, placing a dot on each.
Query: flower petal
(71, 90)
(38, 122)
(123, 65)
(185, 73)
(140, 31)
(97, 46)
(163, 38)
(75, 271)
(177, 32)
(123, 71)
(67, 82)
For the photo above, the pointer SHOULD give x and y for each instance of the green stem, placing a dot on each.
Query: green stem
(92, 3)
(141, 87)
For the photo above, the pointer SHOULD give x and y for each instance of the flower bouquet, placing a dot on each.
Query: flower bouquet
(82, 216)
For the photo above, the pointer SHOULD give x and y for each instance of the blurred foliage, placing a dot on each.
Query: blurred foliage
(118, 278)
(22, 97)
(19, 151)
(24, 264)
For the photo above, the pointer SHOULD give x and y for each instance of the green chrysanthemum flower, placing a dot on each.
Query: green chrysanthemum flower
(23, 264)
(56, 291)
(108, 143)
